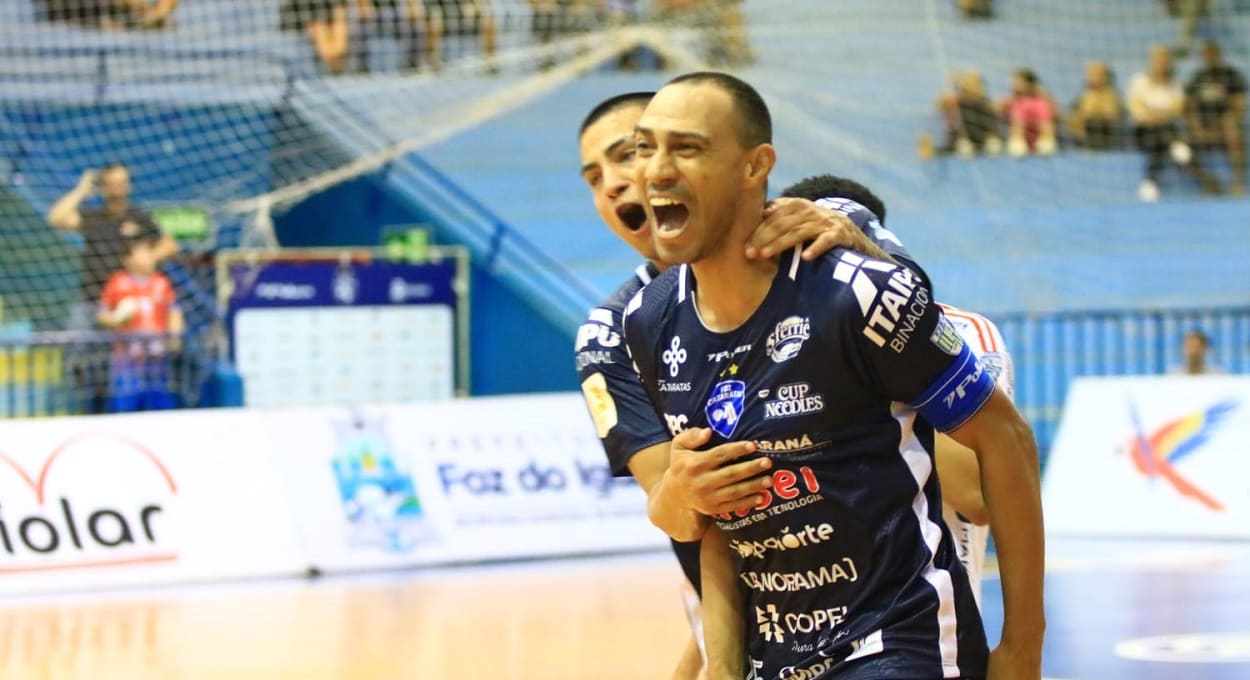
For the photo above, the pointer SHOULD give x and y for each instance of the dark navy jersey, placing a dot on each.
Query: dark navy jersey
(846, 567)
(625, 419)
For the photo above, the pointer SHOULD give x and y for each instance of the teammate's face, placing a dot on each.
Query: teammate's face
(607, 148)
(691, 168)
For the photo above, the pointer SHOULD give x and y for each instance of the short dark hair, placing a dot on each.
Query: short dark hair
(757, 122)
(612, 104)
(831, 186)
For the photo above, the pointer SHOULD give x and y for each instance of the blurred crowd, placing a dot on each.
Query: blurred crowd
(1172, 120)
(339, 32)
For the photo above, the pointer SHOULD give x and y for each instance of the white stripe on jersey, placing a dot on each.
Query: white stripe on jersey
(643, 274)
(921, 466)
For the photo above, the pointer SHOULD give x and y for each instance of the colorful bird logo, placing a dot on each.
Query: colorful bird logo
(1155, 454)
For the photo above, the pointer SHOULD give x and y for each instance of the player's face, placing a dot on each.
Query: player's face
(607, 149)
(691, 166)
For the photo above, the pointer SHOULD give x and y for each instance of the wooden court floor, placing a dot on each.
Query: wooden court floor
(1140, 611)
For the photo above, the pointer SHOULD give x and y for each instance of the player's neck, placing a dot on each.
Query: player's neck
(731, 287)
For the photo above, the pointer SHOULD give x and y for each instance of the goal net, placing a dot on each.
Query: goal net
(227, 112)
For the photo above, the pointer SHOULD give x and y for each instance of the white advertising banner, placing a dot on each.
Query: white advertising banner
(216, 494)
(464, 480)
(140, 499)
(1159, 456)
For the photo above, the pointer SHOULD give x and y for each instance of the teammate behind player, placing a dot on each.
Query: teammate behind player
(634, 436)
(824, 367)
(963, 506)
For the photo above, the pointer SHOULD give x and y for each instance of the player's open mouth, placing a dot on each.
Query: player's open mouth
(632, 215)
(670, 216)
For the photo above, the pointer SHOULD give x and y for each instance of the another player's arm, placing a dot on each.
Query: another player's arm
(1011, 483)
(682, 485)
(961, 479)
(722, 610)
(789, 222)
(696, 484)
(934, 371)
(957, 465)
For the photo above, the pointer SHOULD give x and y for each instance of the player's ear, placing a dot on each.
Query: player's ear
(759, 164)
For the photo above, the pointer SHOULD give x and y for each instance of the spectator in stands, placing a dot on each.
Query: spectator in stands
(408, 21)
(1097, 114)
(105, 231)
(112, 14)
(728, 37)
(971, 121)
(551, 19)
(140, 300)
(324, 23)
(721, 22)
(1216, 98)
(1194, 349)
(1030, 115)
(976, 9)
(465, 18)
(1156, 102)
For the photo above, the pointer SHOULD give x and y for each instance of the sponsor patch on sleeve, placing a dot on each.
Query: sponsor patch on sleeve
(602, 406)
(946, 337)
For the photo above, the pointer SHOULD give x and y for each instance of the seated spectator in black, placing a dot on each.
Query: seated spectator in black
(465, 18)
(1031, 115)
(1156, 102)
(1216, 103)
(971, 121)
(408, 21)
(551, 19)
(1097, 113)
(112, 14)
(105, 231)
(976, 9)
(324, 23)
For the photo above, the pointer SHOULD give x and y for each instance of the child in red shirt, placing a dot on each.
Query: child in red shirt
(139, 301)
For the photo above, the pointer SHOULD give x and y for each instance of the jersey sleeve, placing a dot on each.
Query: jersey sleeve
(906, 349)
(624, 418)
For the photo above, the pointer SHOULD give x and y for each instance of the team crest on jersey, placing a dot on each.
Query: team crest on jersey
(788, 337)
(947, 338)
(724, 407)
